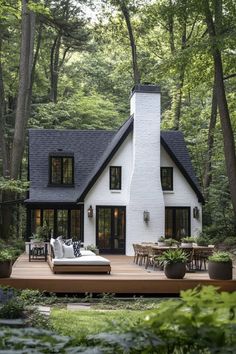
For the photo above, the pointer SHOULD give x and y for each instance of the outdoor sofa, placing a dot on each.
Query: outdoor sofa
(87, 262)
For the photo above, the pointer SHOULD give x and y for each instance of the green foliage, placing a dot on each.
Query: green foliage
(173, 256)
(92, 248)
(7, 255)
(162, 239)
(230, 241)
(12, 309)
(203, 322)
(42, 233)
(11, 185)
(188, 239)
(220, 256)
(34, 341)
(202, 241)
(171, 242)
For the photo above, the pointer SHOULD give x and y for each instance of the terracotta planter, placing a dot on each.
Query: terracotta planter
(220, 270)
(5, 269)
(175, 270)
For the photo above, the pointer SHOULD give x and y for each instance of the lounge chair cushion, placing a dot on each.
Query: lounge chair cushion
(57, 248)
(84, 260)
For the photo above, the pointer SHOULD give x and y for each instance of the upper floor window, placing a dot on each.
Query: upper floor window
(167, 178)
(115, 177)
(62, 170)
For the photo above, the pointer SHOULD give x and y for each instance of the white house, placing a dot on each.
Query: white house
(114, 189)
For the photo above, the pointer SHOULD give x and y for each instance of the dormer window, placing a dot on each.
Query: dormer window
(167, 178)
(115, 177)
(61, 170)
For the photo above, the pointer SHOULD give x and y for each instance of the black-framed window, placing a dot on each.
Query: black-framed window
(115, 177)
(61, 170)
(60, 222)
(177, 222)
(167, 178)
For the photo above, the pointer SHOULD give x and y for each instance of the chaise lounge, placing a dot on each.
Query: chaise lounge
(87, 262)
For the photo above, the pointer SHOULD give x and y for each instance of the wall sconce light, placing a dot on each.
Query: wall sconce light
(196, 213)
(146, 216)
(90, 211)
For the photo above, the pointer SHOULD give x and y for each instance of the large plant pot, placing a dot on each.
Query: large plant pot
(5, 269)
(175, 270)
(220, 270)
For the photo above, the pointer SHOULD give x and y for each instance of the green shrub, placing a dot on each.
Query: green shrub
(189, 239)
(220, 256)
(12, 309)
(230, 241)
(202, 241)
(173, 256)
(203, 322)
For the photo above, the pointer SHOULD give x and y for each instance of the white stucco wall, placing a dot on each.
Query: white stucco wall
(182, 195)
(100, 194)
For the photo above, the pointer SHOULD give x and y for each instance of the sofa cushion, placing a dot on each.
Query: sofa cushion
(57, 249)
(68, 251)
(84, 260)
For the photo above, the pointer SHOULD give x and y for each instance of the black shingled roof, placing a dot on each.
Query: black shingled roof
(92, 150)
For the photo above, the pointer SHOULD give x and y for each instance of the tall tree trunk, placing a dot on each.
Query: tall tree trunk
(126, 15)
(23, 99)
(228, 137)
(3, 145)
(207, 176)
(54, 67)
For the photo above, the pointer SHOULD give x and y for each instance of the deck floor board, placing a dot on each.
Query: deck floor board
(126, 277)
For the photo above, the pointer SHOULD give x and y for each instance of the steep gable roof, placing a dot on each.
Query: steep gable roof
(92, 152)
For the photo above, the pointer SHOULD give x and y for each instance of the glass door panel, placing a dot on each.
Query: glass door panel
(111, 229)
(62, 223)
(177, 222)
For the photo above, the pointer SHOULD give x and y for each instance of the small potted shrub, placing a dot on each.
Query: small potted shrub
(202, 241)
(170, 242)
(6, 257)
(187, 242)
(92, 248)
(174, 262)
(220, 266)
(162, 241)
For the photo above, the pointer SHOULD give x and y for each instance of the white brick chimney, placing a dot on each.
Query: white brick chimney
(145, 187)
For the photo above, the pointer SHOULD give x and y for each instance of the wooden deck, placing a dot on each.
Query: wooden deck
(126, 278)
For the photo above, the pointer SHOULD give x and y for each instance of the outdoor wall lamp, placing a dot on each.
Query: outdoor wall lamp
(196, 212)
(90, 211)
(146, 216)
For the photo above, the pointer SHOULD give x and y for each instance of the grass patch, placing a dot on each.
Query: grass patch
(79, 324)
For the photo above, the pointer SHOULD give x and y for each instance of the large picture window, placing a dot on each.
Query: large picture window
(177, 222)
(167, 178)
(60, 222)
(61, 170)
(115, 177)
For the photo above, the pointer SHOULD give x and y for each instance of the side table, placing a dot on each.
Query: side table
(38, 251)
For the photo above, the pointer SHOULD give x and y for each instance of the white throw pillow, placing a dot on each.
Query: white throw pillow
(57, 248)
(68, 251)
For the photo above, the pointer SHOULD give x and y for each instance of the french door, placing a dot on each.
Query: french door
(177, 222)
(110, 229)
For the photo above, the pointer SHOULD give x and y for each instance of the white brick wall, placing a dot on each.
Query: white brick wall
(141, 157)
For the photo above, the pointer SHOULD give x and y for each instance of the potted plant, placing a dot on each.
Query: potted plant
(41, 234)
(6, 257)
(187, 242)
(174, 262)
(220, 266)
(162, 241)
(93, 248)
(202, 241)
(171, 242)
